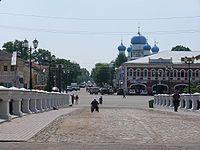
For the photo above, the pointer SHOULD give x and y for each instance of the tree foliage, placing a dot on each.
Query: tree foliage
(121, 58)
(71, 72)
(180, 48)
(194, 87)
(16, 46)
(101, 74)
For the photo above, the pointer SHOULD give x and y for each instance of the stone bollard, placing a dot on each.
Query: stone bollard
(4, 103)
(171, 100)
(168, 100)
(49, 97)
(164, 100)
(182, 101)
(160, 99)
(44, 100)
(16, 97)
(39, 99)
(33, 104)
(188, 101)
(195, 101)
(25, 101)
(52, 99)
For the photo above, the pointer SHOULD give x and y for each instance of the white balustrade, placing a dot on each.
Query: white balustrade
(188, 101)
(4, 103)
(16, 97)
(195, 101)
(14, 101)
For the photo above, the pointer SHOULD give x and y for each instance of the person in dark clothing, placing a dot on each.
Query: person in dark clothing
(94, 105)
(72, 98)
(100, 100)
(176, 101)
(124, 93)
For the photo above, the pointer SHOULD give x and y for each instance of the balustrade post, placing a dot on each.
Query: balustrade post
(4, 103)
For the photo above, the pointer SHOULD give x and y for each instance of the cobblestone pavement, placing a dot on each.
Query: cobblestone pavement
(123, 125)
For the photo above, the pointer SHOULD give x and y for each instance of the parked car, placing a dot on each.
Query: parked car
(75, 86)
(120, 91)
(131, 92)
(143, 92)
(69, 88)
(94, 90)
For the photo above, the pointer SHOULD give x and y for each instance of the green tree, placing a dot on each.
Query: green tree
(121, 58)
(84, 76)
(101, 74)
(180, 48)
(42, 56)
(16, 46)
(194, 87)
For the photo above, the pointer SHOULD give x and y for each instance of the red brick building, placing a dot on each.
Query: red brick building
(160, 73)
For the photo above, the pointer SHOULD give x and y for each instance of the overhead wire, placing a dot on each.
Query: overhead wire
(99, 19)
(98, 33)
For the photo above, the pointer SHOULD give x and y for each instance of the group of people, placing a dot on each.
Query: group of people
(95, 104)
(76, 98)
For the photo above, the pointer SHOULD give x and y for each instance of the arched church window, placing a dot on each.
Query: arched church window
(175, 73)
(130, 72)
(182, 73)
(153, 73)
(160, 73)
(138, 72)
(145, 73)
(197, 74)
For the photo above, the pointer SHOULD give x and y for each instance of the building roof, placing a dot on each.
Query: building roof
(5, 55)
(174, 56)
(138, 39)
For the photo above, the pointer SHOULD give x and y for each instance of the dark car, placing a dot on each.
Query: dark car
(94, 90)
(120, 91)
(104, 91)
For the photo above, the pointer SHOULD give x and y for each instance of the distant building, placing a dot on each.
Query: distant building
(18, 75)
(138, 48)
(159, 73)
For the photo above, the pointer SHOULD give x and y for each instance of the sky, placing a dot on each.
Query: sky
(89, 31)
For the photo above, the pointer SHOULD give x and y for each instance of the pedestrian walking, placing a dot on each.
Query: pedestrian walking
(94, 105)
(100, 100)
(124, 94)
(72, 99)
(176, 100)
(76, 99)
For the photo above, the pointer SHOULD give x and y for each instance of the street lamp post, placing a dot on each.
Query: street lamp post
(189, 61)
(60, 68)
(25, 45)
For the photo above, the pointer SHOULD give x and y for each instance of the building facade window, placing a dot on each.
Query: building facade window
(197, 74)
(12, 68)
(182, 72)
(138, 73)
(5, 68)
(145, 73)
(130, 72)
(153, 73)
(175, 73)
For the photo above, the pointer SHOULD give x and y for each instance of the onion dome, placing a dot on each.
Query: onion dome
(155, 49)
(138, 39)
(147, 47)
(121, 47)
(129, 49)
